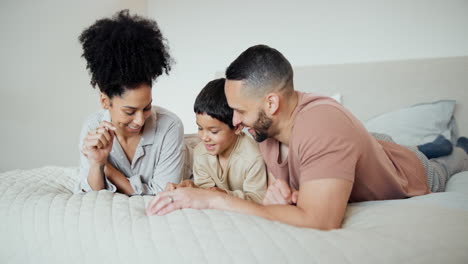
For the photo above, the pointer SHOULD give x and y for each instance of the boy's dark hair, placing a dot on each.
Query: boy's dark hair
(124, 52)
(212, 101)
(263, 69)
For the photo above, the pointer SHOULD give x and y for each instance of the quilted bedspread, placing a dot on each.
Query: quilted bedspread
(42, 221)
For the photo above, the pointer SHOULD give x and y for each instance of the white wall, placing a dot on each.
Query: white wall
(205, 36)
(45, 92)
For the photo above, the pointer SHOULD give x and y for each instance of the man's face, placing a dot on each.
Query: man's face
(248, 112)
(261, 126)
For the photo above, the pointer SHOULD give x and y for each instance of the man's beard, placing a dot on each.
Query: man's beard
(261, 126)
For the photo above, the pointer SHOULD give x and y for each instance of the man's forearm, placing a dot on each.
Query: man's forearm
(288, 214)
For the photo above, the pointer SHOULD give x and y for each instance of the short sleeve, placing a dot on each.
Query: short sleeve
(326, 144)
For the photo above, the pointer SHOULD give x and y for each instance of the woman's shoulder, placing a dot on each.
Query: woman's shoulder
(166, 116)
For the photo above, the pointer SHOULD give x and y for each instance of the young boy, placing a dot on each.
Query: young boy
(226, 159)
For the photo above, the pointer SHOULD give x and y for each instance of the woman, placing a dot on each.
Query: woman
(128, 146)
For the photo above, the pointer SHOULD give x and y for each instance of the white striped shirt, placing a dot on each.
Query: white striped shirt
(159, 156)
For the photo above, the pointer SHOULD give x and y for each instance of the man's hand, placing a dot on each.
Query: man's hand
(185, 183)
(279, 192)
(169, 201)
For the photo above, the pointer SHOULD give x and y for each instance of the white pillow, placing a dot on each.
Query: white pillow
(417, 124)
(337, 97)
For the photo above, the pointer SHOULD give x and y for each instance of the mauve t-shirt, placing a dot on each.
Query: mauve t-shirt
(327, 141)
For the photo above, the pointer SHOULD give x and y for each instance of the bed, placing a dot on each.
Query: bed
(42, 221)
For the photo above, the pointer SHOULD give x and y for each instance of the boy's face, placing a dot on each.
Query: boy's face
(219, 138)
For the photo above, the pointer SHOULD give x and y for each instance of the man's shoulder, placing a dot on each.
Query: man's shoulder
(323, 125)
(324, 118)
(320, 109)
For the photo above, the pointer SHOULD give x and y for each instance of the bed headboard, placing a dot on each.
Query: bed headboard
(369, 89)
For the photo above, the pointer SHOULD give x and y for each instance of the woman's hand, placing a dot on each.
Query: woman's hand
(98, 143)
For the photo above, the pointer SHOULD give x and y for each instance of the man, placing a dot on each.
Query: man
(318, 155)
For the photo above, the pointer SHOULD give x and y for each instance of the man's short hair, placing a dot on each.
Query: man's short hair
(263, 69)
(212, 101)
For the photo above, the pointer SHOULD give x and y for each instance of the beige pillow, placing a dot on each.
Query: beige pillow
(190, 140)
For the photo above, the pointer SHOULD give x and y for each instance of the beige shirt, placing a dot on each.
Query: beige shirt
(245, 173)
(327, 141)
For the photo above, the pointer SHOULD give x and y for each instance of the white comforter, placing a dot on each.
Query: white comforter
(43, 222)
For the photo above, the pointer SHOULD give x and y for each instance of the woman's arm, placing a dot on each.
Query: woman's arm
(170, 164)
(96, 145)
(118, 179)
(96, 177)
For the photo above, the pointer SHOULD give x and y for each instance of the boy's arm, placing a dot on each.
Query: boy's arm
(118, 179)
(254, 182)
(201, 174)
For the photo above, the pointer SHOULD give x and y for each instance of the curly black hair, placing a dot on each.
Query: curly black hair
(124, 52)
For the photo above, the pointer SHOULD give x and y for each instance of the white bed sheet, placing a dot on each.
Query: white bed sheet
(43, 222)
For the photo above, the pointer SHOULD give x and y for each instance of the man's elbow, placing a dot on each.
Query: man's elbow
(324, 224)
(328, 227)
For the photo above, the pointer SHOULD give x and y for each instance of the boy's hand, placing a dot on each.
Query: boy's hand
(280, 193)
(185, 183)
(170, 186)
(216, 189)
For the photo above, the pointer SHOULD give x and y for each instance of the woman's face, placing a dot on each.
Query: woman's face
(130, 110)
